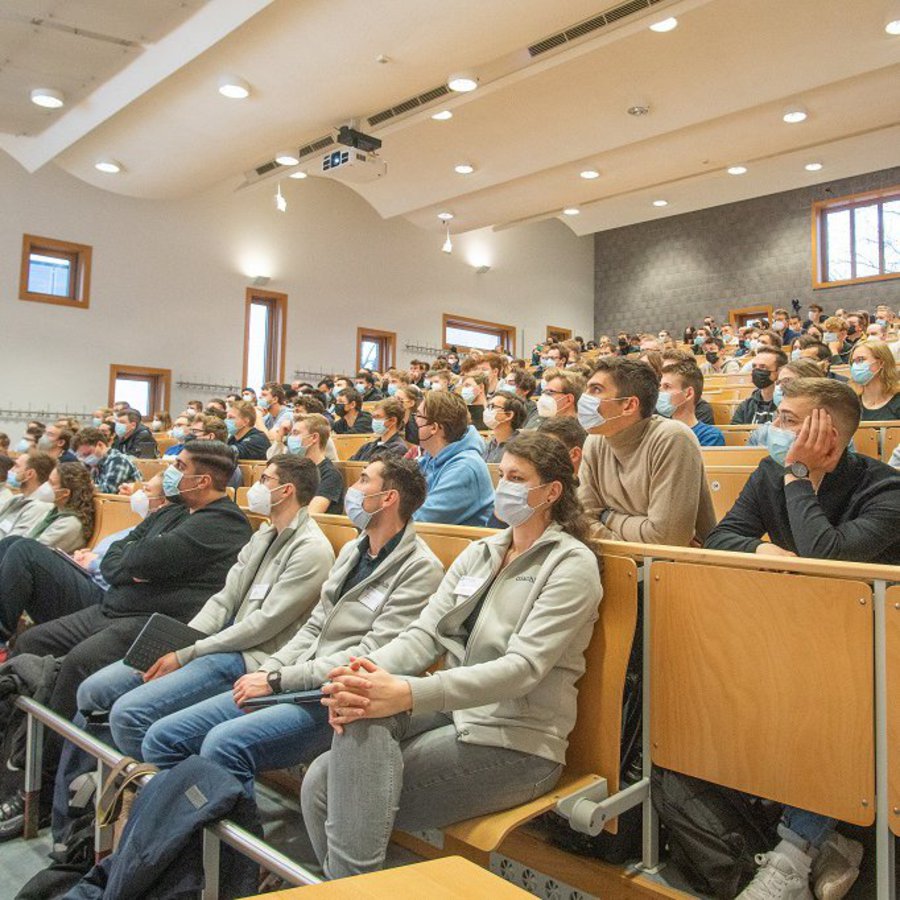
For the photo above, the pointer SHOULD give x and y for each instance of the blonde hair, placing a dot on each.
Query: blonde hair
(890, 384)
(317, 425)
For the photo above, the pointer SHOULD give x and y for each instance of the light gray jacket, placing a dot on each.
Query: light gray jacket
(366, 617)
(21, 515)
(265, 617)
(512, 684)
(66, 533)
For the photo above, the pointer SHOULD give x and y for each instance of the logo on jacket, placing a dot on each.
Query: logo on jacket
(528, 578)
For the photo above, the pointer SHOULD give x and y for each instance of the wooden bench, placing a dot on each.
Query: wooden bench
(737, 435)
(724, 410)
(350, 471)
(115, 515)
(725, 485)
(150, 467)
(494, 469)
(347, 444)
(892, 680)
(891, 440)
(733, 456)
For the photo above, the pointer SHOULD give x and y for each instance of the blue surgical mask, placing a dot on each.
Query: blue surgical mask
(392, 389)
(12, 480)
(171, 481)
(231, 427)
(263, 403)
(511, 502)
(353, 507)
(97, 421)
(468, 395)
(426, 383)
(506, 387)
(91, 460)
(665, 406)
(882, 322)
(295, 445)
(779, 442)
(589, 414)
(778, 395)
(861, 372)
(795, 354)
(379, 426)
(23, 446)
(178, 433)
(121, 428)
(546, 362)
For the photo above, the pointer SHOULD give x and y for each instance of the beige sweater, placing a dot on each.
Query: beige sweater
(651, 477)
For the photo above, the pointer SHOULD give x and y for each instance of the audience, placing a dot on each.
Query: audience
(69, 524)
(132, 437)
(272, 416)
(474, 392)
(351, 418)
(872, 367)
(26, 510)
(56, 441)
(560, 393)
(365, 386)
(387, 419)
(759, 406)
(504, 416)
(308, 439)
(249, 441)
(680, 387)
(109, 468)
(6, 494)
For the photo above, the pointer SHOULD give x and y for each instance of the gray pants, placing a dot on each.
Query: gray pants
(412, 772)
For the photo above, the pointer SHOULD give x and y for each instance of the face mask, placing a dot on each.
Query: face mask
(754, 344)
(543, 384)
(178, 433)
(392, 389)
(665, 405)
(811, 315)
(437, 386)
(882, 322)
(45, 493)
(589, 414)
(91, 460)
(247, 397)
(852, 330)
(23, 446)
(295, 445)
(361, 387)
(155, 425)
(13, 480)
(379, 426)
(263, 403)
(97, 421)
(779, 442)
(795, 354)
(761, 378)
(546, 406)
(44, 443)
(140, 504)
(511, 502)
(468, 395)
(231, 427)
(259, 498)
(778, 326)
(353, 507)
(698, 341)
(490, 418)
(711, 356)
(778, 395)
(506, 387)
(861, 372)
(121, 428)
(172, 481)
(426, 383)
(829, 337)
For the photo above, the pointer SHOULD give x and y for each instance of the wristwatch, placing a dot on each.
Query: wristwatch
(274, 680)
(799, 470)
(604, 516)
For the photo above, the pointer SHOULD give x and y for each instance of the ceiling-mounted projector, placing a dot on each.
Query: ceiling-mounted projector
(351, 165)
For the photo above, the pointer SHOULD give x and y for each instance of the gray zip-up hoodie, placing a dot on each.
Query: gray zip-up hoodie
(368, 616)
(512, 684)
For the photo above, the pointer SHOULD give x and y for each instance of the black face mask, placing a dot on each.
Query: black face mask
(851, 331)
(340, 409)
(762, 378)
(711, 356)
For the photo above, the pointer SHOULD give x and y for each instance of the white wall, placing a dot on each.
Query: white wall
(169, 280)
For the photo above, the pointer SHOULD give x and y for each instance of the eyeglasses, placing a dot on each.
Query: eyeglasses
(269, 479)
(422, 420)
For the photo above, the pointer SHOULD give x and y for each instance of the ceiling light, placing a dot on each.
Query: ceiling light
(813, 167)
(233, 88)
(639, 109)
(590, 174)
(48, 98)
(445, 216)
(660, 203)
(665, 25)
(108, 166)
(892, 18)
(286, 158)
(737, 170)
(298, 175)
(464, 169)
(280, 202)
(442, 116)
(571, 211)
(462, 82)
(794, 114)
(893, 26)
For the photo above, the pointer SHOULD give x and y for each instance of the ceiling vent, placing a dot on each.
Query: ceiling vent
(404, 107)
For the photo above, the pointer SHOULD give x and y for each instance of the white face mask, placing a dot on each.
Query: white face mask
(490, 418)
(511, 502)
(140, 504)
(546, 406)
(45, 493)
(259, 498)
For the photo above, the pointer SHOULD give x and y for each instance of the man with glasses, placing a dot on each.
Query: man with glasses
(561, 394)
(505, 416)
(109, 468)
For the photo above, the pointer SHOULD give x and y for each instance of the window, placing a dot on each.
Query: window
(750, 315)
(473, 334)
(265, 334)
(375, 350)
(55, 272)
(558, 335)
(856, 238)
(144, 389)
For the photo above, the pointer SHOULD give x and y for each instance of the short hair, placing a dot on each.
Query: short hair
(213, 458)
(405, 477)
(317, 425)
(572, 382)
(495, 361)
(839, 399)
(449, 411)
(516, 406)
(816, 307)
(132, 415)
(392, 409)
(42, 463)
(351, 395)
(398, 375)
(276, 390)
(810, 340)
(673, 356)
(4, 440)
(89, 436)
(781, 358)
(524, 381)
(419, 364)
(690, 375)
(781, 311)
(213, 425)
(714, 340)
(6, 463)
(565, 428)
(299, 471)
(328, 382)
(632, 379)
(311, 404)
(245, 410)
(366, 376)
(65, 435)
(563, 351)
(805, 368)
(413, 391)
(835, 324)
(774, 335)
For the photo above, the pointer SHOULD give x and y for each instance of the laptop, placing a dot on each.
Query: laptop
(161, 635)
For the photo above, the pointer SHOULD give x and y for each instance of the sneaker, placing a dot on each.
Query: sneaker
(776, 879)
(836, 868)
(12, 817)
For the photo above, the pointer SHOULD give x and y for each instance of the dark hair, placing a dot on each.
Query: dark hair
(213, 458)
(6, 463)
(449, 411)
(328, 382)
(524, 381)
(351, 395)
(76, 479)
(276, 390)
(213, 425)
(632, 379)
(714, 340)
(781, 358)
(551, 459)
(311, 403)
(302, 473)
(564, 428)
(774, 335)
(563, 352)
(90, 435)
(405, 477)
(132, 415)
(366, 376)
(512, 404)
(42, 463)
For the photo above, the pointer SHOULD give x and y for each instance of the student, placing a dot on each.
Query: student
(813, 349)
(813, 316)
(474, 393)
(493, 365)
(813, 498)
(759, 407)
(680, 387)
(351, 418)
(459, 484)
(717, 363)
(309, 438)
(522, 383)
(387, 418)
(69, 524)
(560, 392)
(410, 397)
(365, 386)
(35, 499)
(179, 433)
(377, 586)
(268, 594)
(872, 367)
(249, 441)
(272, 415)
(836, 338)
(132, 437)
(570, 433)
(799, 368)
(504, 416)
(56, 441)
(109, 468)
(642, 475)
(6, 494)
(511, 620)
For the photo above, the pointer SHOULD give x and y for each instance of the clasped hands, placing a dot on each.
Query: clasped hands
(362, 690)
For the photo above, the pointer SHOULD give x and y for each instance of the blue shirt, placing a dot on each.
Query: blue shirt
(708, 435)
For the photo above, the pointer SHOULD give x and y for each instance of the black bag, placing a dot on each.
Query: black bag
(69, 866)
(713, 833)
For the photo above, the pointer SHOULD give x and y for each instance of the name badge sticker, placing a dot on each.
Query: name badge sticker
(468, 585)
(372, 598)
(259, 591)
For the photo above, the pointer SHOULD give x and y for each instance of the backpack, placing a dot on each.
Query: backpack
(713, 833)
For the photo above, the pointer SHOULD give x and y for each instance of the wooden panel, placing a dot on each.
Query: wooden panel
(116, 516)
(865, 442)
(347, 444)
(891, 440)
(725, 484)
(350, 471)
(738, 437)
(494, 469)
(892, 667)
(240, 497)
(338, 534)
(150, 467)
(733, 456)
(763, 682)
(722, 412)
(445, 548)
(98, 522)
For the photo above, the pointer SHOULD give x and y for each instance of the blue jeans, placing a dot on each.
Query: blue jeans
(807, 830)
(243, 743)
(134, 706)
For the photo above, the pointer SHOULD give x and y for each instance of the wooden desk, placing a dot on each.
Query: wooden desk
(449, 878)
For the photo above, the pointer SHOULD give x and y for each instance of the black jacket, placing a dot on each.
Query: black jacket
(140, 443)
(396, 446)
(371, 395)
(173, 562)
(853, 518)
(253, 445)
(704, 412)
(362, 425)
(754, 410)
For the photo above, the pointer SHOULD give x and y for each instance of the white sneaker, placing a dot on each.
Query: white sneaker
(776, 879)
(836, 868)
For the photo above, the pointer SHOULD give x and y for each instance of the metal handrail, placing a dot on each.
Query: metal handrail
(222, 831)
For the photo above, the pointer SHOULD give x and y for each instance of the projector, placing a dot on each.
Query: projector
(351, 165)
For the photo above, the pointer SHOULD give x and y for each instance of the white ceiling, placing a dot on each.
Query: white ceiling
(145, 94)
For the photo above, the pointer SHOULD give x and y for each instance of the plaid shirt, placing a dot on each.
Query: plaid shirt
(115, 468)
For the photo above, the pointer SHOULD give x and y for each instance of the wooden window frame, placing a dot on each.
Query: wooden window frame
(507, 333)
(278, 340)
(161, 391)
(558, 335)
(79, 296)
(750, 312)
(388, 341)
(819, 239)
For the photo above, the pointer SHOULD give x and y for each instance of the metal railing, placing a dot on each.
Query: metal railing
(215, 834)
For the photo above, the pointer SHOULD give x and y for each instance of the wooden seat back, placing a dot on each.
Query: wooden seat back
(737, 435)
(865, 442)
(724, 410)
(150, 467)
(756, 674)
(892, 679)
(733, 456)
(116, 515)
(338, 529)
(448, 541)
(347, 444)
(98, 521)
(350, 471)
(494, 469)
(240, 497)
(251, 469)
(725, 485)
(890, 441)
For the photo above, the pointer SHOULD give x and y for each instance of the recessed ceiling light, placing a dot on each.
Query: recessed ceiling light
(571, 211)
(892, 19)
(286, 158)
(464, 169)
(48, 98)
(794, 114)
(892, 27)
(462, 82)
(442, 116)
(297, 175)
(233, 88)
(660, 202)
(665, 25)
(813, 167)
(445, 216)
(108, 166)
(737, 170)
(590, 174)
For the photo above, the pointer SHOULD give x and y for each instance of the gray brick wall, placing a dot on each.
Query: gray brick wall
(674, 271)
